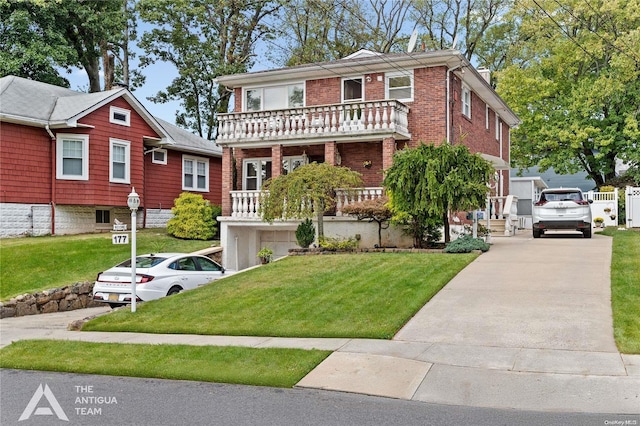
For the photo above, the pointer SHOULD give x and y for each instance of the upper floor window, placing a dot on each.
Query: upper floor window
(400, 86)
(274, 97)
(159, 156)
(466, 101)
(72, 156)
(120, 161)
(195, 174)
(352, 89)
(120, 116)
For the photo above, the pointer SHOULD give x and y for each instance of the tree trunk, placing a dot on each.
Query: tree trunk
(320, 215)
(447, 236)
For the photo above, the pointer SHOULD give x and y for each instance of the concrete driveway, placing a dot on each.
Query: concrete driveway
(547, 293)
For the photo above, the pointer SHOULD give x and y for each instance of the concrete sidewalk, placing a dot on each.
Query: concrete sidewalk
(526, 326)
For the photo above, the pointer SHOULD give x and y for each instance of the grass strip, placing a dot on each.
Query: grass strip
(353, 295)
(625, 289)
(274, 367)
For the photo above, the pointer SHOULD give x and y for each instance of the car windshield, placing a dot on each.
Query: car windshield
(143, 262)
(561, 196)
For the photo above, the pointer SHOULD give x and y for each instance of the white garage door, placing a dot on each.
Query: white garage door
(278, 241)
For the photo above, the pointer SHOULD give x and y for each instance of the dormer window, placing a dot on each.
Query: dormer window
(120, 116)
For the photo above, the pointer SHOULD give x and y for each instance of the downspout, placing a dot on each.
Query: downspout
(53, 179)
(449, 101)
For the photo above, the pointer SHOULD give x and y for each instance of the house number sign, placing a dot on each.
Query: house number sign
(120, 238)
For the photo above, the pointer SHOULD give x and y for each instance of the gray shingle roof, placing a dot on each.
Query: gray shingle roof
(40, 104)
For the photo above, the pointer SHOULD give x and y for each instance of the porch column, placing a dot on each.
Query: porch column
(330, 150)
(388, 149)
(227, 180)
(276, 161)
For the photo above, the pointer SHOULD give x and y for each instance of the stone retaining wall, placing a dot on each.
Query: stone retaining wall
(68, 298)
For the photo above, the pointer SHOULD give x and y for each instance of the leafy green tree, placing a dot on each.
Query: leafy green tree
(576, 87)
(203, 40)
(193, 218)
(38, 36)
(430, 181)
(306, 191)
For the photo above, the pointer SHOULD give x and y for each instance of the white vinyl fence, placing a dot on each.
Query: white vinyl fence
(632, 203)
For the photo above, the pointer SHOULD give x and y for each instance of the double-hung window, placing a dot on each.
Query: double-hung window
(255, 171)
(72, 156)
(120, 161)
(195, 174)
(466, 101)
(400, 86)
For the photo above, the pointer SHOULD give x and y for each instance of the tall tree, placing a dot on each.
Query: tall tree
(430, 181)
(325, 30)
(39, 36)
(464, 21)
(308, 190)
(203, 40)
(578, 90)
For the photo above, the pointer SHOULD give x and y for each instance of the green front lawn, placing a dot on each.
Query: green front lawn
(625, 289)
(41, 263)
(250, 366)
(352, 295)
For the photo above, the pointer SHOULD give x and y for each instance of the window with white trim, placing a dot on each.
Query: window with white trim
(255, 172)
(159, 156)
(466, 101)
(103, 216)
(352, 89)
(72, 156)
(195, 173)
(273, 97)
(119, 161)
(119, 116)
(399, 86)
(486, 117)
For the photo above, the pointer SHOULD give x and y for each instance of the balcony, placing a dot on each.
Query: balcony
(353, 122)
(246, 204)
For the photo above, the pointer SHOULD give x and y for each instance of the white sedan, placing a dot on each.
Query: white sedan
(157, 275)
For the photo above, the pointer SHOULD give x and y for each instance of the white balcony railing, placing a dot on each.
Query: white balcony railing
(359, 118)
(246, 204)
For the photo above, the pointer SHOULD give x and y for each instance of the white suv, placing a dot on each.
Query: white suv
(562, 208)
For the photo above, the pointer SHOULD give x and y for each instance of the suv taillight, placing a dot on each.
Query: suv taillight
(541, 203)
(582, 202)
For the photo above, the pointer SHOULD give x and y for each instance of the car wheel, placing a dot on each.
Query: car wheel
(174, 290)
(587, 232)
(536, 233)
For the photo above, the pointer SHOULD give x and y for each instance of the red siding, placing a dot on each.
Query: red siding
(163, 182)
(98, 190)
(25, 164)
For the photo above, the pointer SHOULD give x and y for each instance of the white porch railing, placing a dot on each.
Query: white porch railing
(246, 204)
(315, 121)
(505, 208)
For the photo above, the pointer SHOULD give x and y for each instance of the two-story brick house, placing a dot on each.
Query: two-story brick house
(68, 160)
(354, 112)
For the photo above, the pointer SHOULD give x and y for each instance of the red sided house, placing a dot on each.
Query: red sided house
(68, 160)
(354, 112)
